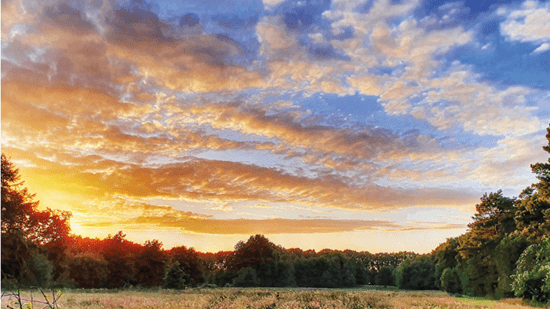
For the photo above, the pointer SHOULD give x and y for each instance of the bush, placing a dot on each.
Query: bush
(532, 274)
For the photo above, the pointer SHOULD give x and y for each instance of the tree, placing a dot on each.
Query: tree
(119, 254)
(533, 216)
(385, 276)
(450, 281)
(532, 274)
(259, 254)
(39, 271)
(253, 252)
(23, 225)
(19, 213)
(415, 274)
(174, 277)
(493, 220)
(150, 264)
(506, 255)
(188, 260)
(88, 271)
(542, 170)
(246, 277)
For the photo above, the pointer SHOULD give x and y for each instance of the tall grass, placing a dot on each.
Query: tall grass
(254, 298)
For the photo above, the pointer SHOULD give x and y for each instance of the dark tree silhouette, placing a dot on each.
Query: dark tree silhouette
(23, 226)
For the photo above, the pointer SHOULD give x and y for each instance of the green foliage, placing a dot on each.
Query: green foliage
(275, 272)
(39, 271)
(532, 274)
(190, 263)
(506, 255)
(246, 277)
(542, 170)
(385, 276)
(88, 271)
(437, 276)
(174, 276)
(446, 253)
(533, 215)
(415, 274)
(492, 222)
(15, 251)
(450, 281)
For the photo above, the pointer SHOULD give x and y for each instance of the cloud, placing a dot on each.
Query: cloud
(137, 215)
(531, 23)
(211, 109)
(134, 42)
(542, 48)
(274, 37)
(220, 182)
(508, 163)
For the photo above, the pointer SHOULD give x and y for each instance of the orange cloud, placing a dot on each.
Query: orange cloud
(124, 214)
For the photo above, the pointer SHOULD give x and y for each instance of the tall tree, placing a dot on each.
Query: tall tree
(493, 220)
(23, 224)
(150, 264)
(533, 215)
(120, 255)
(542, 170)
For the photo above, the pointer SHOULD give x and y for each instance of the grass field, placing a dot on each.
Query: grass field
(256, 298)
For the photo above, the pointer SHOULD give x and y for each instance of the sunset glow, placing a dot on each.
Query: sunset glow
(368, 125)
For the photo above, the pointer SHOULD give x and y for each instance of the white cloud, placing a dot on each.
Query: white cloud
(542, 48)
(531, 23)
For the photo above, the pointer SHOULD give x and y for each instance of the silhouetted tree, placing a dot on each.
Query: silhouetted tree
(150, 264)
(23, 227)
(120, 254)
(188, 260)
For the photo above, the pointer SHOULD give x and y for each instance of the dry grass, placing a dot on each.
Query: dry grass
(268, 298)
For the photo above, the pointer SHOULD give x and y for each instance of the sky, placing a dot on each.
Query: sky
(367, 125)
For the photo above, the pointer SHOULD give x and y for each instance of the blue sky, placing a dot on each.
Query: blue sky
(339, 124)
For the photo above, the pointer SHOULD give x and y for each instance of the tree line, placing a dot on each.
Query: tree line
(505, 252)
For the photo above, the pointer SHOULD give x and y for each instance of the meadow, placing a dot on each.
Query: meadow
(256, 298)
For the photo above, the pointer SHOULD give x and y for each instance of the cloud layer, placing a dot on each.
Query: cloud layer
(181, 117)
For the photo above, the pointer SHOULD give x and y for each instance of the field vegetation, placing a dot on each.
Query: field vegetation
(255, 298)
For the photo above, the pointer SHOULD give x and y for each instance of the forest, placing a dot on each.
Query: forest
(504, 253)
